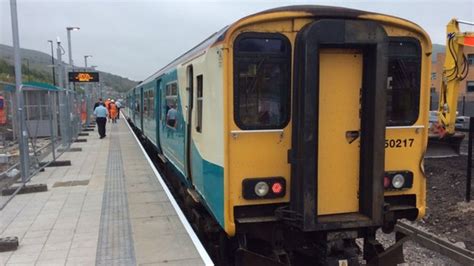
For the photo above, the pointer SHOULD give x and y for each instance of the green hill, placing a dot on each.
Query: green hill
(36, 66)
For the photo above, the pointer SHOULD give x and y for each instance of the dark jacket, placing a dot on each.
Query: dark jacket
(97, 104)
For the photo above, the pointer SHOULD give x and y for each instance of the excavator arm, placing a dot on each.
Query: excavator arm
(443, 141)
(455, 69)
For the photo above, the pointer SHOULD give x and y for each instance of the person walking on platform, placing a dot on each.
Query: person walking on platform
(119, 105)
(107, 102)
(101, 114)
(113, 111)
(98, 103)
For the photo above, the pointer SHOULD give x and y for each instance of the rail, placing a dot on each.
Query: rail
(432, 242)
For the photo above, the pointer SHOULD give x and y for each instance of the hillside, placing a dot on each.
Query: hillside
(36, 67)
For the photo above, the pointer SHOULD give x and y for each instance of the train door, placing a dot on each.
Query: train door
(189, 112)
(339, 126)
(133, 106)
(158, 111)
(339, 105)
(141, 109)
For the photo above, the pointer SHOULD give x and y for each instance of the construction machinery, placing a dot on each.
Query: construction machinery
(444, 141)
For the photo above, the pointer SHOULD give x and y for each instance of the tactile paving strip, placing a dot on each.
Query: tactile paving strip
(115, 245)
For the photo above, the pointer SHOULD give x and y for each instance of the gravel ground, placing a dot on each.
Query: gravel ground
(415, 254)
(448, 215)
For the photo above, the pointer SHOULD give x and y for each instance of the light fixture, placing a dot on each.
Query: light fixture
(261, 189)
(398, 181)
(73, 28)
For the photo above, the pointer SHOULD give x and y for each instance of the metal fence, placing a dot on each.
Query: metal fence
(52, 120)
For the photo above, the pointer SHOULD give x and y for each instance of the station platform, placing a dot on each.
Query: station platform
(110, 207)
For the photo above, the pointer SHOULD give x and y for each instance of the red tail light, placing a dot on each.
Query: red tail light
(386, 182)
(277, 188)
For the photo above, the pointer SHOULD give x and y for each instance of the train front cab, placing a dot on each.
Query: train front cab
(332, 110)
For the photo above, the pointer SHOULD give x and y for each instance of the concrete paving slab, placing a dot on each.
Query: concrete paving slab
(169, 247)
(155, 227)
(55, 262)
(80, 261)
(62, 226)
(185, 262)
(147, 197)
(60, 254)
(158, 233)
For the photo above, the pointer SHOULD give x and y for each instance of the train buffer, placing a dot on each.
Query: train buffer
(108, 207)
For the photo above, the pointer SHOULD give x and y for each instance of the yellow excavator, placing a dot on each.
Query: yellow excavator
(444, 141)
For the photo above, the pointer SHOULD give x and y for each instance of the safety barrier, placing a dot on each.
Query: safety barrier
(35, 135)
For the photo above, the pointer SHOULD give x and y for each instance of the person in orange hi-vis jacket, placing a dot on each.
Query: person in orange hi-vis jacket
(113, 111)
(107, 102)
(3, 111)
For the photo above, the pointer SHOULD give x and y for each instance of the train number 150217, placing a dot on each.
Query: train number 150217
(399, 143)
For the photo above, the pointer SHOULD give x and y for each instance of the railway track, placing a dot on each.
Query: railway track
(430, 241)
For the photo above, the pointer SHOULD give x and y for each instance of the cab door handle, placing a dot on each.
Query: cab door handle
(352, 135)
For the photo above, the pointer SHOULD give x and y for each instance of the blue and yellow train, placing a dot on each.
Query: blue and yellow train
(297, 130)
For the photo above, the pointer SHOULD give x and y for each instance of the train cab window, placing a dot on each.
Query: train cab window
(403, 84)
(199, 99)
(262, 80)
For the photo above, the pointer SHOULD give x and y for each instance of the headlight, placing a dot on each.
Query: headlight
(398, 181)
(261, 189)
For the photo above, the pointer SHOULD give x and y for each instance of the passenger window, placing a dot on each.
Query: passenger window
(152, 104)
(171, 97)
(149, 104)
(403, 84)
(137, 102)
(199, 99)
(262, 81)
(145, 103)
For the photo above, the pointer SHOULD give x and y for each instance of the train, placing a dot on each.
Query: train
(293, 132)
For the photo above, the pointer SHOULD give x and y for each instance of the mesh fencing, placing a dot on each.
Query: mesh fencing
(52, 121)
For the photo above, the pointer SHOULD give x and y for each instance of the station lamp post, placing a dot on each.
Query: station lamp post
(52, 62)
(22, 132)
(69, 29)
(85, 60)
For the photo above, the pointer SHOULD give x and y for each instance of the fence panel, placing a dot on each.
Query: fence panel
(53, 120)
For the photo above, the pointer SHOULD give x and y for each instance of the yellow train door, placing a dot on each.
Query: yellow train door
(338, 125)
(339, 131)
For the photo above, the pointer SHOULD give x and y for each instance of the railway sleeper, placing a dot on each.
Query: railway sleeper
(375, 254)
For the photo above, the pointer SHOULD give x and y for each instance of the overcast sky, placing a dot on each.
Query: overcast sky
(135, 38)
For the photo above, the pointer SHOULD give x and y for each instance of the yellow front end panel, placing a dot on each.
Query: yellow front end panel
(339, 126)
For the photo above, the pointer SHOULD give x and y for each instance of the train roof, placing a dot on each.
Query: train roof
(216, 37)
(314, 10)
